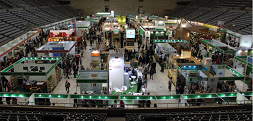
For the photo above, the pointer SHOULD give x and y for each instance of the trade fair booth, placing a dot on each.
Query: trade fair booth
(61, 35)
(32, 73)
(58, 48)
(198, 76)
(225, 50)
(166, 49)
(243, 65)
(176, 60)
(11, 48)
(95, 60)
(82, 26)
(116, 70)
(93, 81)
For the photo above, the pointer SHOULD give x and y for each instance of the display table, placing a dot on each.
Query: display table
(89, 92)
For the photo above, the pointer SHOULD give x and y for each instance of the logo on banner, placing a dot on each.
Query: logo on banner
(199, 78)
(115, 30)
(94, 75)
(116, 60)
(212, 80)
(115, 67)
(84, 77)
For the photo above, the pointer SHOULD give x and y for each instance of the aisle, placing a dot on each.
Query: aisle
(60, 88)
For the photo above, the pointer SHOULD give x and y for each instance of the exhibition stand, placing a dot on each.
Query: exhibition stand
(61, 35)
(116, 70)
(11, 48)
(164, 48)
(199, 76)
(93, 81)
(214, 46)
(81, 27)
(176, 60)
(95, 60)
(58, 48)
(31, 73)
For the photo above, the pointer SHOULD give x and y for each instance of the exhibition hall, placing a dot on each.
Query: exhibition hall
(192, 63)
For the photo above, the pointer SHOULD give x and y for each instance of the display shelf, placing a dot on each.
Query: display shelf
(14, 82)
(58, 73)
(51, 83)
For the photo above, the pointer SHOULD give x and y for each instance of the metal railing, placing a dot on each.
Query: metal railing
(125, 106)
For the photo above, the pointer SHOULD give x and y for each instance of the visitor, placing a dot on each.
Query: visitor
(151, 73)
(8, 100)
(181, 89)
(153, 66)
(145, 72)
(162, 67)
(67, 85)
(122, 104)
(170, 82)
(74, 69)
(139, 84)
(75, 102)
(8, 85)
(115, 104)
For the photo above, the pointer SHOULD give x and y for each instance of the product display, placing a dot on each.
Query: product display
(14, 82)
(51, 83)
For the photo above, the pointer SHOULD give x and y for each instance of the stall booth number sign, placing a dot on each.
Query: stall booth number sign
(94, 75)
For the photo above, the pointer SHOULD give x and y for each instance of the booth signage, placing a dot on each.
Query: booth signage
(130, 33)
(91, 81)
(115, 30)
(160, 24)
(93, 75)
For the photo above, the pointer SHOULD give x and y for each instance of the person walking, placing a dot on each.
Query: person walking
(153, 66)
(162, 66)
(170, 82)
(74, 69)
(151, 73)
(145, 73)
(67, 85)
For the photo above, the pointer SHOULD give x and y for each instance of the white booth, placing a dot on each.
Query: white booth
(56, 48)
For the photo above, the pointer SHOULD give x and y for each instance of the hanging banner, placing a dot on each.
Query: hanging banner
(212, 84)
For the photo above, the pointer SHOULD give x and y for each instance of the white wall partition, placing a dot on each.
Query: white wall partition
(116, 70)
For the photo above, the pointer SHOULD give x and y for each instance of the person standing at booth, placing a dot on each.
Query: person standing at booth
(139, 84)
